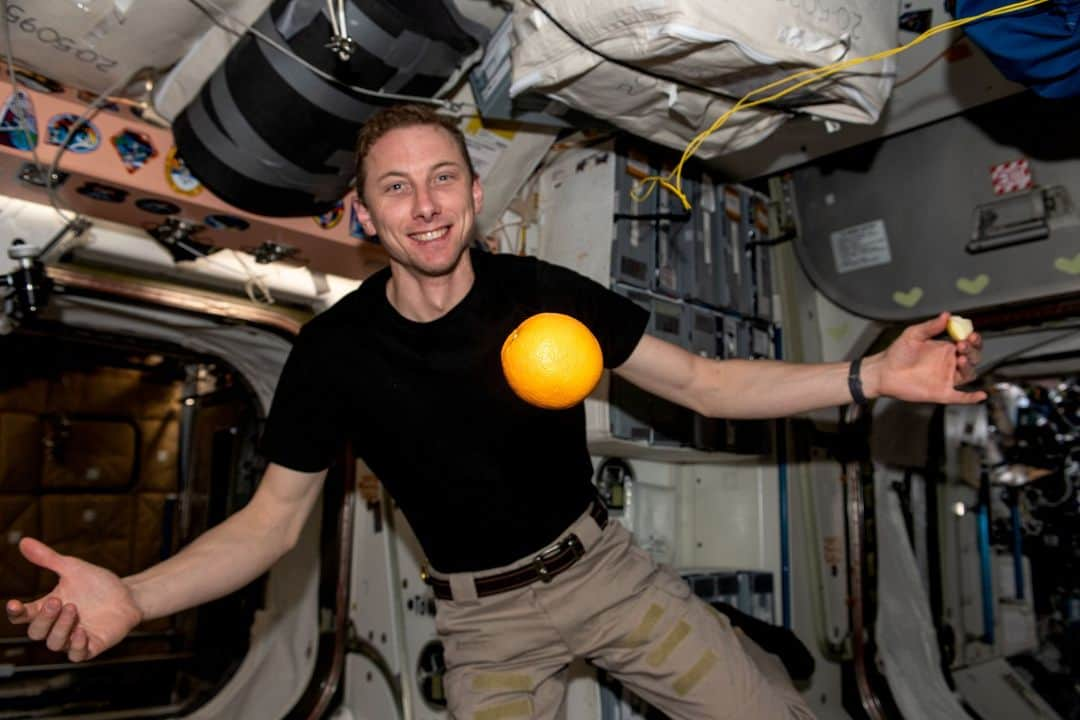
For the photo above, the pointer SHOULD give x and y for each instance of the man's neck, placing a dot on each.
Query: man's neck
(422, 298)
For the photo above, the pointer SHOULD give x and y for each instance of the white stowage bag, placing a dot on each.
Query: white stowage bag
(722, 46)
(97, 45)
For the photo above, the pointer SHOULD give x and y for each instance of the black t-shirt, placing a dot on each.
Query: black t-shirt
(482, 476)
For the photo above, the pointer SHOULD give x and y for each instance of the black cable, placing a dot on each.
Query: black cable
(769, 242)
(657, 76)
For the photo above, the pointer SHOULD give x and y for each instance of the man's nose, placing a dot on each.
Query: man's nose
(425, 205)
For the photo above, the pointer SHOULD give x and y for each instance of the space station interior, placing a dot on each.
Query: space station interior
(176, 201)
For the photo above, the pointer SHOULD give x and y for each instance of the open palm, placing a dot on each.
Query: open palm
(918, 368)
(89, 610)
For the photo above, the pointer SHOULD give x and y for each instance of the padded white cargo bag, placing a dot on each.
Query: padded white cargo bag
(718, 49)
(97, 45)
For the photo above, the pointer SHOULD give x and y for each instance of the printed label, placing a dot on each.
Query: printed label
(861, 246)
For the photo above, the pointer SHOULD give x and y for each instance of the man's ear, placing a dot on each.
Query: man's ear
(477, 195)
(364, 216)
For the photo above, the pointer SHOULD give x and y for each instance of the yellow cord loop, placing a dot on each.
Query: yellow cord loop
(673, 181)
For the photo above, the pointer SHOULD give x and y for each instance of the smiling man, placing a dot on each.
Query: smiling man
(528, 571)
(420, 196)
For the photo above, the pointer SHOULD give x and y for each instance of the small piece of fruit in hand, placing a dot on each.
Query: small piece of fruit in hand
(959, 328)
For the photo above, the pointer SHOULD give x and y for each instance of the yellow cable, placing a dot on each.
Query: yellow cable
(812, 75)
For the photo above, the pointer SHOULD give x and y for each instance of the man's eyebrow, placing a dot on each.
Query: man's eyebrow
(438, 166)
(390, 173)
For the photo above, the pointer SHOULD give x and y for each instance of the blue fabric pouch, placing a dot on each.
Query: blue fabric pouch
(1038, 47)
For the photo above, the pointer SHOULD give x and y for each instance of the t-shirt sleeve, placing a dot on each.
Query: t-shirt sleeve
(617, 322)
(303, 431)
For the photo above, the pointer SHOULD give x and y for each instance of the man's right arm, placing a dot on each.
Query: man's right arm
(233, 553)
(91, 609)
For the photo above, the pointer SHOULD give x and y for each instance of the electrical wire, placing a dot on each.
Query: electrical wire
(673, 181)
(252, 282)
(216, 13)
(931, 62)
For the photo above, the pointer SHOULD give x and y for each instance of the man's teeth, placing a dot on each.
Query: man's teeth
(432, 235)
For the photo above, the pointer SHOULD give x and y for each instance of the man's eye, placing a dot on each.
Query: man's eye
(395, 187)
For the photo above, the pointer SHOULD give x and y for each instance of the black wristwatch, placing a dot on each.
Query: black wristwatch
(854, 383)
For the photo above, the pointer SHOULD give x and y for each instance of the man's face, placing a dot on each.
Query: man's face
(419, 199)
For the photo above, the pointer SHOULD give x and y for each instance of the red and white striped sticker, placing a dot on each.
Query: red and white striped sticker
(1011, 176)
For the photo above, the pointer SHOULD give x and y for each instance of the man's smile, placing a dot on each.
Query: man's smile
(430, 235)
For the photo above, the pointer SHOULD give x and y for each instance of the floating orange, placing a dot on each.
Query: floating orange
(552, 361)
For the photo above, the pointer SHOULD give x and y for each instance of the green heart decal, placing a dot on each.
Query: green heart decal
(974, 286)
(908, 299)
(1067, 266)
(838, 333)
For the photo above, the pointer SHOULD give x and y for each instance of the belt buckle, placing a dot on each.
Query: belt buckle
(570, 543)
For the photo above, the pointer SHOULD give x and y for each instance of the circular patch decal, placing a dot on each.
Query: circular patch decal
(86, 139)
(158, 207)
(331, 217)
(178, 176)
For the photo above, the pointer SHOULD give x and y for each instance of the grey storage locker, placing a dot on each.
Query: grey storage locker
(737, 270)
(711, 250)
(671, 424)
(675, 241)
(633, 242)
(753, 227)
(639, 415)
(761, 341)
(763, 602)
(763, 304)
(629, 404)
(735, 337)
(703, 331)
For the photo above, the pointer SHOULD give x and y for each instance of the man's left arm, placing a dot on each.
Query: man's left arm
(916, 367)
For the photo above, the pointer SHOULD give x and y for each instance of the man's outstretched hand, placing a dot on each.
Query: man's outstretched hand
(918, 368)
(89, 610)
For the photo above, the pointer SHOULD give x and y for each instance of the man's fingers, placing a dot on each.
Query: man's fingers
(965, 398)
(79, 647)
(931, 328)
(61, 629)
(17, 612)
(41, 625)
(41, 554)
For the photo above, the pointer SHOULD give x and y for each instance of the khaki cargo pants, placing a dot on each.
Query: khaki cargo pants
(506, 654)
